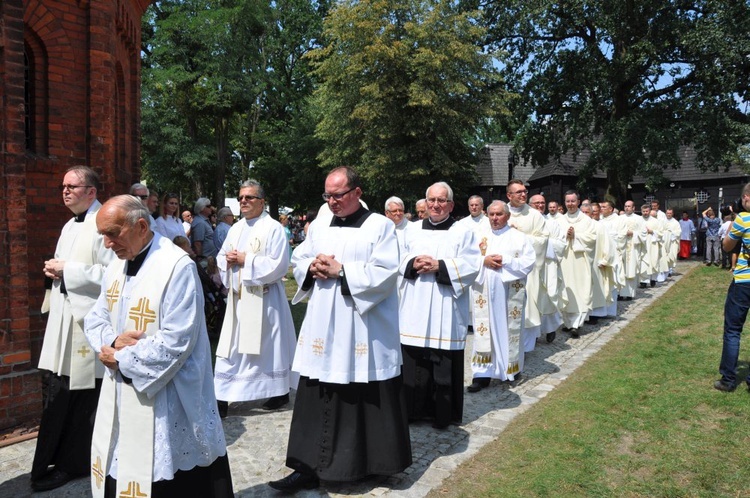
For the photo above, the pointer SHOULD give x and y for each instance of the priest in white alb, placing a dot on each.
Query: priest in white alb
(73, 373)
(534, 225)
(157, 432)
(580, 235)
(256, 347)
(498, 303)
(635, 249)
(441, 263)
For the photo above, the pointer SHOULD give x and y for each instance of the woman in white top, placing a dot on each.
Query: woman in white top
(168, 224)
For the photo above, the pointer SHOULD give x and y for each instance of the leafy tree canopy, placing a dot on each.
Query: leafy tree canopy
(630, 80)
(404, 84)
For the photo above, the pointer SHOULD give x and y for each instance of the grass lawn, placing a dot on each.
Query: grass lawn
(640, 418)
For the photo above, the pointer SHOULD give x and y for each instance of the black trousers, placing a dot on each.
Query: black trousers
(66, 427)
(434, 384)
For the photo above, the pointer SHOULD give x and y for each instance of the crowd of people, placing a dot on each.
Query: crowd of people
(390, 305)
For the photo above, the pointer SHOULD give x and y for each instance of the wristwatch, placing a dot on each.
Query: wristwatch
(341, 272)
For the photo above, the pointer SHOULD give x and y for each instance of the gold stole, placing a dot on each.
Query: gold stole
(136, 425)
(250, 299)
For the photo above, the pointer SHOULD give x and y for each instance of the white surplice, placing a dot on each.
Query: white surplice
(246, 377)
(173, 366)
(349, 338)
(634, 253)
(431, 314)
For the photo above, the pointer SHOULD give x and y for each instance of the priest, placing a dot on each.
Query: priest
(580, 235)
(72, 372)
(635, 249)
(531, 222)
(442, 261)
(499, 295)
(256, 347)
(157, 431)
(349, 419)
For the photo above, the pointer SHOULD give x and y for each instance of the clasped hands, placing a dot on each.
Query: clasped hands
(493, 261)
(325, 266)
(53, 268)
(107, 355)
(235, 258)
(425, 264)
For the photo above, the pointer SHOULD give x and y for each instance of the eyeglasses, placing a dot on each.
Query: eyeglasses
(65, 187)
(336, 197)
(518, 192)
(142, 197)
(241, 198)
(441, 200)
(395, 211)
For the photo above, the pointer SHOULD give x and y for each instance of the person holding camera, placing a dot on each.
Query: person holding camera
(738, 296)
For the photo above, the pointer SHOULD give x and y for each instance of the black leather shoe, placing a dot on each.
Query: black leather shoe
(276, 402)
(223, 408)
(551, 336)
(723, 386)
(295, 482)
(593, 320)
(477, 384)
(53, 480)
(575, 333)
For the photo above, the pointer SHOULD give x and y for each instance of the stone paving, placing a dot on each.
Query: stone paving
(257, 439)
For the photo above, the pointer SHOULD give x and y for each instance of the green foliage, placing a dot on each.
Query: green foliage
(224, 89)
(404, 85)
(631, 81)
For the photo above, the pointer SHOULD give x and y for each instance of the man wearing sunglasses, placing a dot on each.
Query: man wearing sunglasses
(73, 374)
(257, 342)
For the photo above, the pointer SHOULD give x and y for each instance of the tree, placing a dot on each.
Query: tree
(631, 81)
(404, 84)
(277, 136)
(200, 71)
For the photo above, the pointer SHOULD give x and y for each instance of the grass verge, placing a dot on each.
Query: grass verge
(640, 418)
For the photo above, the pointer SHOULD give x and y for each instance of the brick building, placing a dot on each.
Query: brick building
(69, 94)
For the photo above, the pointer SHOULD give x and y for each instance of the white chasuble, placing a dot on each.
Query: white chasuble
(432, 313)
(576, 262)
(499, 303)
(65, 350)
(531, 223)
(349, 335)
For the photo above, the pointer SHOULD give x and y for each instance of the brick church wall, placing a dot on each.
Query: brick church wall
(84, 103)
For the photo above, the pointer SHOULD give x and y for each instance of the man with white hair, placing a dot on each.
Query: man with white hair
(225, 220)
(141, 191)
(201, 231)
(157, 431)
(421, 208)
(499, 295)
(441, 262)
(394, 211)
(476, 219)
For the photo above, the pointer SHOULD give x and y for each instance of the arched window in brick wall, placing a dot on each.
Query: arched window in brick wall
(35, 94)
